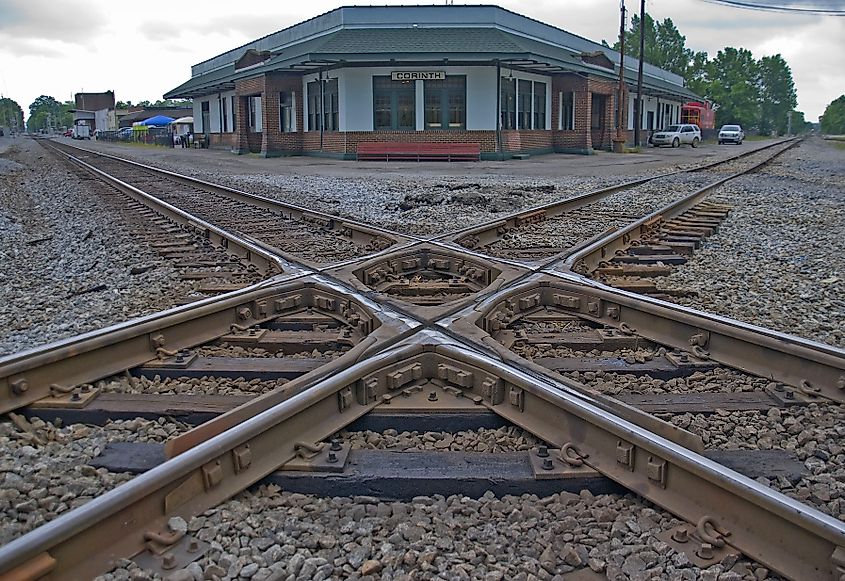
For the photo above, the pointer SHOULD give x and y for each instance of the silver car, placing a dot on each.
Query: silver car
(675, 135)
(731, 134)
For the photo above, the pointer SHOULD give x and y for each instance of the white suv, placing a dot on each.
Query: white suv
(675, 135)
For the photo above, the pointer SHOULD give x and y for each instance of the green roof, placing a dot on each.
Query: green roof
(419, 45)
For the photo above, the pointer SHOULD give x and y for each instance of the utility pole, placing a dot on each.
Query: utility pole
(638, 104)
(619, 107)
(788, 123)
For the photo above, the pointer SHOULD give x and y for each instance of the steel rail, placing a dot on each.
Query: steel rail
(582, 200)
(360, 232)
(783, 534)
(815, 369)
(86, 541)
(238, 245)
(34, 374)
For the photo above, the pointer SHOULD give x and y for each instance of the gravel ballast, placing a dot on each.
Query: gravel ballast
(266, 533)
(778, 260)
(44, 469)
(58, 246)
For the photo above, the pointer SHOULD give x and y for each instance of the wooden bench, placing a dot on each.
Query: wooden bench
(392, 151)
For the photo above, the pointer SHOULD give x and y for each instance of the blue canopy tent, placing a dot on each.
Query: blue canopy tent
(158, 121)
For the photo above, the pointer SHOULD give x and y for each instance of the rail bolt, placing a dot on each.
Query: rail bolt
(543, 452)
(20, 386)
(681, 535)
(168, 562)
(547, 464)
(706, 551)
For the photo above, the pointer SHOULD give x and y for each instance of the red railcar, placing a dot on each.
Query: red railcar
(700, 114)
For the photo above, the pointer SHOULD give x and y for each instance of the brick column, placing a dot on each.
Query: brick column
(584, 122)
(270, 120)
(241, 145)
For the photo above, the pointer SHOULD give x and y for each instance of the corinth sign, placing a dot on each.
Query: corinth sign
(418, 75)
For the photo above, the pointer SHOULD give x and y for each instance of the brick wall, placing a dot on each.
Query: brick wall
(271, 141)
(580, 137)
(347, 141)
(227, 140)
(526, 140)
(244, 140)
(274, 141)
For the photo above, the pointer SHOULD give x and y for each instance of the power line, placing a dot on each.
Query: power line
(820, 7)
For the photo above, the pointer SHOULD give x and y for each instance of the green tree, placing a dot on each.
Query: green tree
(777, 95)
(833, 119)
(732, 83)
(799, 123)
(47, 112)
(123, 105)
(664, 47)
(11, 114)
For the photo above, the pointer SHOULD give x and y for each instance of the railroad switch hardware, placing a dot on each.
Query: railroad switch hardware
(702, 553)
(74, 398)
(182, 360)
(554, 464)
(166, 560)
(684, 359)
(322, 457)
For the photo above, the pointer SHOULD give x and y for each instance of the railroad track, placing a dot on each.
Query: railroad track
(297, 234)
(190, 247)
(422, 335)
(555, 230)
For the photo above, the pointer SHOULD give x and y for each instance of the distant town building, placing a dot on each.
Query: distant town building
(95, 110)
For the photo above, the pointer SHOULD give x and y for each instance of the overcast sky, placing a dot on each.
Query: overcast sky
(142, 49)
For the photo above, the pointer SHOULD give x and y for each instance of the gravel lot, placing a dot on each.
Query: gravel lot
(411, 198)
(780, 254)
(56, 242)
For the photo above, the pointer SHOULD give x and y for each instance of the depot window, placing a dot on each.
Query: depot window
(523, 104)
(508, 103)
(206, 115)
(539, 105)
(287, 111)
(567, 110)
(224, 126)
(323, 105)
(394, 105)
(254, 110)
(446, 103)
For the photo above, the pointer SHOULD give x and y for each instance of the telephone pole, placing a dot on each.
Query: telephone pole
(638, 104)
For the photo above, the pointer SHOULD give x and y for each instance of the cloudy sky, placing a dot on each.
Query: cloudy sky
(142, 49)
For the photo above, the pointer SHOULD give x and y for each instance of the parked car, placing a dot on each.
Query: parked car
(675, 135)
(68, 133)
(731, 134)
(125, 133)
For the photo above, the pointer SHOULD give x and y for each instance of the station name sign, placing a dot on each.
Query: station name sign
(418, 75)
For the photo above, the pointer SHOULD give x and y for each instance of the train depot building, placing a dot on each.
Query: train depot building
(423, 74)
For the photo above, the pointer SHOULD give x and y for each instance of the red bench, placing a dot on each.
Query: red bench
(393, 151)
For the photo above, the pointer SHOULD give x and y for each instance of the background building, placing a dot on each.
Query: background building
(462, 74)
(95, 110)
